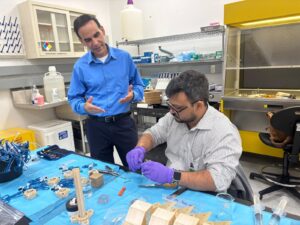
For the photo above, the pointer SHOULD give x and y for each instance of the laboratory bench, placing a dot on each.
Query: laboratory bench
(47, 208)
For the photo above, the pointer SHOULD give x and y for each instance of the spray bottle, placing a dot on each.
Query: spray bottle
(34, 94)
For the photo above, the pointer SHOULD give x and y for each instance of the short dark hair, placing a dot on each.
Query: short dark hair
(82, 20)
(194, 84)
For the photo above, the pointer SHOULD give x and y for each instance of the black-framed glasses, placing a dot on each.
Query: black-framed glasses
(175, 110)
(179, 110)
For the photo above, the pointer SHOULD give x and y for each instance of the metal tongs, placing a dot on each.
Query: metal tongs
(109, 171)
(167, 185)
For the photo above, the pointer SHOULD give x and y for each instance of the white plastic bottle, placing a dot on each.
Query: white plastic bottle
(131, 22)
(53, 79)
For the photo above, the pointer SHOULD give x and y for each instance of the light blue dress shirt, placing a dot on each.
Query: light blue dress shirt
(107, 82)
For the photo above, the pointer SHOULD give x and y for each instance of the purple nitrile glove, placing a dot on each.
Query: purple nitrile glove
(135, 158)
(157, 172)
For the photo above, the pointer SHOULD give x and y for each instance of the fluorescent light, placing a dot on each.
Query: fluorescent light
(275, 21)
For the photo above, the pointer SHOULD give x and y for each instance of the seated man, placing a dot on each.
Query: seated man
(203, 146)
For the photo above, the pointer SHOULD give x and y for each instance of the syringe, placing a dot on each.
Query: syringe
(278, 212)
(257, 211)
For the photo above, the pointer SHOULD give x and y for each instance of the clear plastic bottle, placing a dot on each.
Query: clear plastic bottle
(54, 79)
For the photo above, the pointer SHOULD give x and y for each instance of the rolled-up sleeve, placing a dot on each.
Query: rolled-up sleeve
(223, 158)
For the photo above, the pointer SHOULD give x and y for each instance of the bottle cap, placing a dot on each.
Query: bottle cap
(52, 69)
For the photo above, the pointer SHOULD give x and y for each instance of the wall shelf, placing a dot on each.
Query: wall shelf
(178, 37)
(179, 63)
(39, 107)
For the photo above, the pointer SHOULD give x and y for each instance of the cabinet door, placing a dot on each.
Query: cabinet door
(78, 47)
(53, 31)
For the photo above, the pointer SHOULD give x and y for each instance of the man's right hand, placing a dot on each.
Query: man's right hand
(90, 108)
(135, 158)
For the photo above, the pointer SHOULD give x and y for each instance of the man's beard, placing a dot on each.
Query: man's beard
(188, 120)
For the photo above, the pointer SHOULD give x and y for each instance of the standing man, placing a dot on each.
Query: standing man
(203, 146)
(104, 83)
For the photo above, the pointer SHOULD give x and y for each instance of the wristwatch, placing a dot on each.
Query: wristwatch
(176, 176)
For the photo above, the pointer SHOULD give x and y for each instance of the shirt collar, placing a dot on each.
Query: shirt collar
(206, 121)
(111, 55)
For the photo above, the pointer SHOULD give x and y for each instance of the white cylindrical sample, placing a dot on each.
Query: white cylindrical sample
(131, 23)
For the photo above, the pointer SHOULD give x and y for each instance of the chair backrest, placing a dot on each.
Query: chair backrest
(285, 120)
(240, 186)
(288, 121)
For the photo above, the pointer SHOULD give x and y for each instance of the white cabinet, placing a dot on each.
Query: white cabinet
(48, 31)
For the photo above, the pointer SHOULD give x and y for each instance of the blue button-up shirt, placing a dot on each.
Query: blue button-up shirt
(107, 82)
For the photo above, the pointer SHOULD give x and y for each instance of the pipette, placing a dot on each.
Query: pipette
(257, 211)
(278, 212)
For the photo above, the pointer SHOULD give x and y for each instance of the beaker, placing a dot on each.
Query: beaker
(225, 206)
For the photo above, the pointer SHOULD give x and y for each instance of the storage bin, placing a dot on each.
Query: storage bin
(19, 135)
(54, 132)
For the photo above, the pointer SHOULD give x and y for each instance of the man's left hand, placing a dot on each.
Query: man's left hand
(157, 172)
(129, 96)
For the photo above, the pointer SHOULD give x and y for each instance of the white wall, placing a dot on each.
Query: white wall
(15, 117)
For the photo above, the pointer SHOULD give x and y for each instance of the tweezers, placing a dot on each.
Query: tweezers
(167, 185)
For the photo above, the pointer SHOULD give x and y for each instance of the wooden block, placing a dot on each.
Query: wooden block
(217, 223)
(203, 217)
(185, 219)
(93, 171)
(167, 205)
(185, 210)
(53, 181)
(137, 213)
(84, 181)
(62, 192)
(30, 193)
(68, 174)
(96, 180)
(162, 217)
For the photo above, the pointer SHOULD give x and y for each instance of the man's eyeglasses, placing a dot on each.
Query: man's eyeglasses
(180, 109)
(176, 110)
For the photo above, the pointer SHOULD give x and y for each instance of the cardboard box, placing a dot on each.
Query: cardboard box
(152, 97)
(19, 135)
